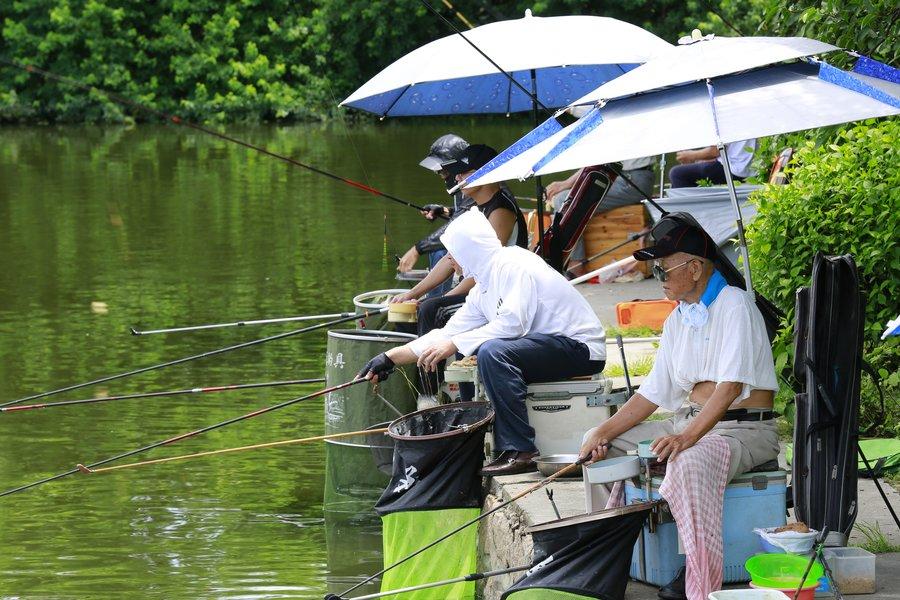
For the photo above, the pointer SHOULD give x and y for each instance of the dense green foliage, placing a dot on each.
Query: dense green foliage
(866, 26)
(254, 60)
(843, 197)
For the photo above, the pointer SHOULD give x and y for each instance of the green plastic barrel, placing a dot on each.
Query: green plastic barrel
(357, 468)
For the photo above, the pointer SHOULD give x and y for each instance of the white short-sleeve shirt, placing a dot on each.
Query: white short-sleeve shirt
(740, 156)
(731, 346)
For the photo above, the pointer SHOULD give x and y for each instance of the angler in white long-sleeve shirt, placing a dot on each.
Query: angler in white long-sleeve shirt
(523, 320)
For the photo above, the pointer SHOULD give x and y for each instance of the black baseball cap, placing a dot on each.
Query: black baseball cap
(445, 148)
(673, 234)
(472, 158)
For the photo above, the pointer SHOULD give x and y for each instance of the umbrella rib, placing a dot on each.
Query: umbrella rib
(396, 100)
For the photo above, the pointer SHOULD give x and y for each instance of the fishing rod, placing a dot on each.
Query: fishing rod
(433, 584)
(536, 103)
(458, 14)
(240, 323)
(81, 467)
(179, 121)
(628, 240)
(197, 390)
(525, 492)
(196, 356)
(332, 436)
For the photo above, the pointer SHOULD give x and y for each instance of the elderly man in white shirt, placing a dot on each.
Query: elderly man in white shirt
(714, 369)
(522, 319)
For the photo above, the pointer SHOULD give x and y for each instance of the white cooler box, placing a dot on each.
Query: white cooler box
(561, 411)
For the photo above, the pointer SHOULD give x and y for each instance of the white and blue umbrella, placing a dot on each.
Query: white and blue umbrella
(711, 111)
(559, 59)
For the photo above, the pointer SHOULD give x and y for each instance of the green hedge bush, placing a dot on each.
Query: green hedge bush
(843, 197)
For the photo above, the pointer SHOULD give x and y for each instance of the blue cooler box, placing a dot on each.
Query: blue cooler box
(751, 500)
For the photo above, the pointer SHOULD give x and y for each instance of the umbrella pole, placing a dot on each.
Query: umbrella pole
(539, 188)
(737, 213)
(662, 174)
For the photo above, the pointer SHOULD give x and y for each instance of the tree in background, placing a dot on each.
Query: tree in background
(843, 197)
(255, 60)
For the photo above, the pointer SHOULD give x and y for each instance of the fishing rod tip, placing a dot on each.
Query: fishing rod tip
(84, 469)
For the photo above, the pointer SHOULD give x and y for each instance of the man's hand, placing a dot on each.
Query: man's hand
(433, 211)
(595, 447)
(377, 369)
(408, 261)
(555, 187)
(429, 359)
(670, 446)
(404, 297)
(686, 157)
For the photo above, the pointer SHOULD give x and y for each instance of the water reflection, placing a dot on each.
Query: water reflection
(168, 227)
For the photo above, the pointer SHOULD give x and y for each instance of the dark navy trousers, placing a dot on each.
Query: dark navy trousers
(506, 367)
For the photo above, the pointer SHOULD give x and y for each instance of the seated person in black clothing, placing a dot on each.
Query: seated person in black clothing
(498, 204)
(446, 148)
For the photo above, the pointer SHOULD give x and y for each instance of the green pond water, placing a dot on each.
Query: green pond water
(168, 226)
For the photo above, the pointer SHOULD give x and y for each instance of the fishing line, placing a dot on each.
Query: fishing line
(332, 436)
(81, 467)
(179, 121)
(197, 390)
(384, 253)
(195, 357)
(385, 400)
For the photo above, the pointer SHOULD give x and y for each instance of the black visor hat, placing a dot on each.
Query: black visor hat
(678, 232)
(472, 158)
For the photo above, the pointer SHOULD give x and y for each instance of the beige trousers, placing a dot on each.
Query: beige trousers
(752, 443)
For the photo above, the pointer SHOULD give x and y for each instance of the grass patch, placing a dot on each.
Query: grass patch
(636, 368)
(876, 542)
(631, 332)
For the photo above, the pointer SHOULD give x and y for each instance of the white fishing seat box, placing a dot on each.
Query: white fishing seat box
(751, 500)
(562, 411)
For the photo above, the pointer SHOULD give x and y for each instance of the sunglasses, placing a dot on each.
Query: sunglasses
(662, 274)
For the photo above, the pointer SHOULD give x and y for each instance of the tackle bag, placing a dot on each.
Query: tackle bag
(572, 217)
(828, 334)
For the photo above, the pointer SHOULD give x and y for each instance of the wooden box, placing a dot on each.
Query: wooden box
(610, 228)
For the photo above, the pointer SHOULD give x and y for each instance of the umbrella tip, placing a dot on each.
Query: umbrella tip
(696, 35)
(528, 13)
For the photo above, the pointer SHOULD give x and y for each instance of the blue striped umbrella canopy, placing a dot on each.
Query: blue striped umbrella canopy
(570, 56)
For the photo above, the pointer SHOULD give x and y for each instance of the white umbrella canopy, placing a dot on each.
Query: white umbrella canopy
(570, 56)
(776, 99)
(769, 101)
(705, 58)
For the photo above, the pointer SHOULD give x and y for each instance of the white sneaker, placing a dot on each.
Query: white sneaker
(423, 402)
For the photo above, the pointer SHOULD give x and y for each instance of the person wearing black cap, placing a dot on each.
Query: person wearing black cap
(446, 148)
(714, 370)
(494, 201)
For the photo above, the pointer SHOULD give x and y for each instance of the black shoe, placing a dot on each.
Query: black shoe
(511, 463)
(674, 590)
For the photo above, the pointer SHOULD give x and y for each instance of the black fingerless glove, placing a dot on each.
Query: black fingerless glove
(436, 210)
(380, 365)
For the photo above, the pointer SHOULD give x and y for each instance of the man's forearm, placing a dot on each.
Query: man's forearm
(401, 355)
(462, 288)
(438, 275)
(635, 411)
(714, 409)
